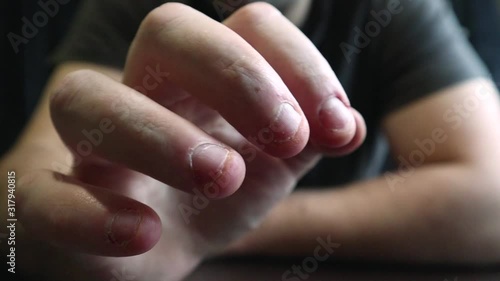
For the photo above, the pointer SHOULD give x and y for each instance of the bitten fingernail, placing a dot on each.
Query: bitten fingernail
(335, 116)
(203, 159)
(286, 123)
(123, 226)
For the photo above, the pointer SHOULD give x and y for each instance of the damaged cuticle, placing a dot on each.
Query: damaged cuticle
(202, 159)
(123, 227)
(286, 123)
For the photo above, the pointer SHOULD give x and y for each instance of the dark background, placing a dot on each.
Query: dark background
(23, 75)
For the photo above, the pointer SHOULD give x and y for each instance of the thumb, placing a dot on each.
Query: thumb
(66, 213)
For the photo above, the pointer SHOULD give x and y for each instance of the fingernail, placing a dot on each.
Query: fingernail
(335, 116)
(202, 161)
(123, 227)
(286, 123)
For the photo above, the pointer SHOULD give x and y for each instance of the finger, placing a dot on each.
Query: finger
(68, 214)
(96, 115)
(179, 45)
(304, 70)
(359, 138)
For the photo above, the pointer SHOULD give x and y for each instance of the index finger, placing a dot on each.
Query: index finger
(179, 45)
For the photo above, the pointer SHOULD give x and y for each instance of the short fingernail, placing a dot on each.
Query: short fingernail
(286, 123)
(203, 159)
(335, 116)
(123, 226)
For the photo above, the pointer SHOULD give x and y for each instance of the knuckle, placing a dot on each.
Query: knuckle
(235, 68)
(162, 17)
(257, 12)
(244, 73)
(70, 88)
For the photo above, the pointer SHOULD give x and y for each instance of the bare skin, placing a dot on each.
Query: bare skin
(444, 210)
(145, 164)
(249, 123)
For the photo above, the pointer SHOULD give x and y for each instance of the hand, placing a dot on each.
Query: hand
(219, 110)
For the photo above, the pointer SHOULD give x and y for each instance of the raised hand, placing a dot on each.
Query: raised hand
(204, 111)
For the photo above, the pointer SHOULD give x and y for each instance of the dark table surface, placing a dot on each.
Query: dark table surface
(273, 270)
(260, 269)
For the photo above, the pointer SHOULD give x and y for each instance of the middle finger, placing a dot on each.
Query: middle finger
(217, 66)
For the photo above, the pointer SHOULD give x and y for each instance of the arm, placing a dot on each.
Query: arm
(445, 210)
(117, 208)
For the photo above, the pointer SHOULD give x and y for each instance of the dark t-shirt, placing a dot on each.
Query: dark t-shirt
(386, 54)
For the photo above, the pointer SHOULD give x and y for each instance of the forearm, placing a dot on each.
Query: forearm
(441, 213)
